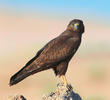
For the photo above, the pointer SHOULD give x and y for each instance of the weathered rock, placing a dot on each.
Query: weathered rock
(16, 97)
(62, 93)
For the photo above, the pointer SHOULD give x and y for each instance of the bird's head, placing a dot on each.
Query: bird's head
(76, 25)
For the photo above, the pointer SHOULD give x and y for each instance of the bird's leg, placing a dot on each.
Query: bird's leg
(64, 80)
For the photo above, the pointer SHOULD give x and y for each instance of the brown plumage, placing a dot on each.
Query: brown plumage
(54, 55)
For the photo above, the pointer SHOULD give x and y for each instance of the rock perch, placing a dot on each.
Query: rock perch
(62, 93)
(16, 97)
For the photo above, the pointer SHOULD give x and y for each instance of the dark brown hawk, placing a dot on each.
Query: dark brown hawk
(55, 55)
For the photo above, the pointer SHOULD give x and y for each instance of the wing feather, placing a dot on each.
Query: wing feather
(58, 49)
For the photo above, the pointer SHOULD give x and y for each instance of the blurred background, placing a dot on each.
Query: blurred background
(27, 25)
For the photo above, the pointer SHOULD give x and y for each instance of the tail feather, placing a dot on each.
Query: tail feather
(23, 73)
(19, 76)
(29, 69)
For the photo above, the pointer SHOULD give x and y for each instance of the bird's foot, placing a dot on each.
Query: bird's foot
(69, 87)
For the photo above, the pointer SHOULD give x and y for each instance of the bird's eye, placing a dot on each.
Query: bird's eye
(76, 26)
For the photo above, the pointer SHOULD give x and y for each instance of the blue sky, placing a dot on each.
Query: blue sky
(93, 8)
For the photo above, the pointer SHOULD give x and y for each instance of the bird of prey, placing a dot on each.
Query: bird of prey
(55, 55)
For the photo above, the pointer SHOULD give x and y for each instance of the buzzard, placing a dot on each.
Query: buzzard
(55, 55)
